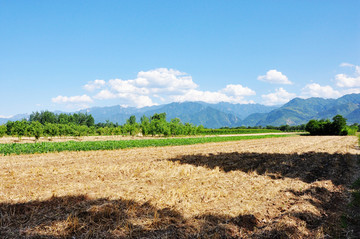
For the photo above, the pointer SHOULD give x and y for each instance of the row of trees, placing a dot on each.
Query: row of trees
(43, 125)
(50, 117)
(49, 124)
(326, 127)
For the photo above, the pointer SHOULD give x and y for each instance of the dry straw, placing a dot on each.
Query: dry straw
(280, 187)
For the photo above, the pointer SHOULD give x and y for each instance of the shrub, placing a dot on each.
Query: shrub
(3, 130)
(325, 127)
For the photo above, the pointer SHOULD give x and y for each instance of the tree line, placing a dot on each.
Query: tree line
(337, 126)
(49, 124)
(78, 124)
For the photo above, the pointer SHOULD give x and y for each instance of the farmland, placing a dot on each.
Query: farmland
(284, 187)
(46, 147)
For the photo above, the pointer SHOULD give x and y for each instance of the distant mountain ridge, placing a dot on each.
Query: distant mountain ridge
(300, 111)
(295, 112)
(209, 115)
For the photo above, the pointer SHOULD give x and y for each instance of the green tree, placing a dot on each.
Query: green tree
(63, 118)
(3, 130)
(90, 121)
(339, 125)
(117, 130)
(132, 120)
(158, 125)
(51, 129)
(83, 130)
(36, 129)
(19, 128)
(47, 117)
(313, 127)
(9, 127)
(145, 125)
(176, 127)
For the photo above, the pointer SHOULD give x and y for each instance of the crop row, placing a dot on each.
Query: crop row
(237, 131)
(47, 147)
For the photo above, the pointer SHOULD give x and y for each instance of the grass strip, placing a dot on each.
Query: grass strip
(237, 131)
(47, 147)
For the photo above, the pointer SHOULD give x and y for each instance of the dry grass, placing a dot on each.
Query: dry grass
(269, 188)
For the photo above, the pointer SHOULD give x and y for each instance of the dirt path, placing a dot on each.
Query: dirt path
(275, 187)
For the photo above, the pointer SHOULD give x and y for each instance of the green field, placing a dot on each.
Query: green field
(237, 131)
(47, 147)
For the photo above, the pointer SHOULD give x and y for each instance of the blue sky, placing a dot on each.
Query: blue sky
(67, 55)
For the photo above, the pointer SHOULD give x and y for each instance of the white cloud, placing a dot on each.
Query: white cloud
(345, 64)
(280, 96)
(127, 86)
(105, 95)
(163, 79)
(137, 100)
(6, 117)
(275, 77)
(346, 81)
(357, 68)
(141, 100)
(343, 80)
(316, 90)
(72, 99)
(237, 90)
(164, 85)
(93, 85)
(351, 91)
(210, 97)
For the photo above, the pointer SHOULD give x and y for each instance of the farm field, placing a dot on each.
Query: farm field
(293, 187)
(47, 147)
(10, 140)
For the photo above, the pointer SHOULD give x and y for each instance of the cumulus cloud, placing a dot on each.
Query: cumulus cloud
(348, 81)
(139, 92)
(73, 102)
(343, 80)
(105, 95)
(316, 90)
(165, 85)
(351, 91)
(165, 80)
(237, 90)
(72, 99)
(93, 85)
(210, 97)
(280, 96)
(275, 77)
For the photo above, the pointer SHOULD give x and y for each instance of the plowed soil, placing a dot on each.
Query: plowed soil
(294, 187)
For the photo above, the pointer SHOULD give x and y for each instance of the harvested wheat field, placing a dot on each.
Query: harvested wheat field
(294, 187)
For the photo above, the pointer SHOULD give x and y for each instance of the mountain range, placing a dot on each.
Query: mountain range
(295, 112)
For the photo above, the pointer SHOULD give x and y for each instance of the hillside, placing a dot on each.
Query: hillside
(300, 111)
(198, 113)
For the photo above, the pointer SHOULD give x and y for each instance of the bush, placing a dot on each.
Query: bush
(3, 130)
(325, 127)
(36, 129)
(352, 129)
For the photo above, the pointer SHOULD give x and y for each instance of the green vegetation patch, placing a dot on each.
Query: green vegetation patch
(47, 147)
(237, 131)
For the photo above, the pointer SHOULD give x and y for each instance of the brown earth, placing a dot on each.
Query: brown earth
(293, 187)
